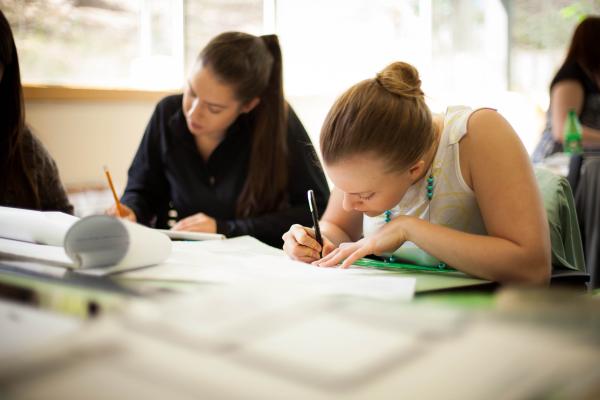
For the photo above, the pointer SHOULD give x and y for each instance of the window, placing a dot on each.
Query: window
(540, 34)
(498, 53)
(120, 43)
(458, 46)
(101, 43)
(207, 18)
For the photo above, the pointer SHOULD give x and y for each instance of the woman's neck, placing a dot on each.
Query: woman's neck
(206, 145)
(429, 157)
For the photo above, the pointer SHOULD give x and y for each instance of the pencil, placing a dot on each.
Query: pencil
(114, 193)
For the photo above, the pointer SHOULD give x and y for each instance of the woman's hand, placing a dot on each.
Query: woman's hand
(387, 239)
(299, 243)
(127, 213)
(196, 223)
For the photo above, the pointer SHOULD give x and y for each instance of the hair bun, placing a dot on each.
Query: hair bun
(401, 79)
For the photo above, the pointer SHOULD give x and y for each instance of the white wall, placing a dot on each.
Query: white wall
(82, 136)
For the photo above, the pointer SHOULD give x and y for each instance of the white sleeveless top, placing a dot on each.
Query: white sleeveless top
(453, 203)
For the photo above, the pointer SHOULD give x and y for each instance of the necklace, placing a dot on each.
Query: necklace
(429, 194)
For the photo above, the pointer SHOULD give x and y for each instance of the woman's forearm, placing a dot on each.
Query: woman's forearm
(334, 233)
(488, 257)
(590, 136)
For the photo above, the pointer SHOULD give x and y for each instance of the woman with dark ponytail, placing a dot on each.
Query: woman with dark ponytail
(229, 155)
(28, 174)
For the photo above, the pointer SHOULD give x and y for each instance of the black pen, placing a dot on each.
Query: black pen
(312, 204)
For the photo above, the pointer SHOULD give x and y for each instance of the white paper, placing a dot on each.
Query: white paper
(35, 226)
(184, 235)
(103, 241)
(246, 260)
(33, 251)
(145, 246)
(91, 242)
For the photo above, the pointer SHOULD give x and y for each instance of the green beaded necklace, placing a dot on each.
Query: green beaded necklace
(388, 215)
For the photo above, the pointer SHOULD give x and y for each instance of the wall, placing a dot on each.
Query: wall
(83, 136)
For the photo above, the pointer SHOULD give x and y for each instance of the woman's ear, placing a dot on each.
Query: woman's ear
(249, 106)
(416, 170)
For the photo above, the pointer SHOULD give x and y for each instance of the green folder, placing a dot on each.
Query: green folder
(370, 263)
(427, 278)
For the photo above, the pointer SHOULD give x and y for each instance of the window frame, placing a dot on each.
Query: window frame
(34, 92)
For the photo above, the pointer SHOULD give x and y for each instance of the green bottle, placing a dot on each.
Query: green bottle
(572, 134)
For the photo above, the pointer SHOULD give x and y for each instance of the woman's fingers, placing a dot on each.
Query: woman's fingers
(127, 213)
(298, 244)
(345, 255)
(305, 236)
(328, 247)
(356, 255)
(334, 257)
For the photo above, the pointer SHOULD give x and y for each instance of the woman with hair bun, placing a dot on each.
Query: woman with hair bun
(452, 189)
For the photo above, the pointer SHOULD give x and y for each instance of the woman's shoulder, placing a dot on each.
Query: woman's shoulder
(34, 151)
(295, 129)
(169, 104)
(569, 71)
(167, 117)
(45, 173)
(489, 132)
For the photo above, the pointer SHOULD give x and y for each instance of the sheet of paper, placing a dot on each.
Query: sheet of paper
(191, 235)
(36, 267)
(31, 251)
(146, 247)
(243, 245)
(35, 226)
(246, 261)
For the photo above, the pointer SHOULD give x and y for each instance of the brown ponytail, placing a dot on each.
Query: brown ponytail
(386, 116)
(252, 65)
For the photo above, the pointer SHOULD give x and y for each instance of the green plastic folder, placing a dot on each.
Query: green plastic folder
(370, 263)
(427, 278)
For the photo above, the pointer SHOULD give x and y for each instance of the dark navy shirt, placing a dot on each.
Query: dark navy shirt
(169, 179)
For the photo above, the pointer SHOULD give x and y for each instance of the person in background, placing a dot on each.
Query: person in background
(29, 177)
(229, 155)
(455, 188)
(575, 86)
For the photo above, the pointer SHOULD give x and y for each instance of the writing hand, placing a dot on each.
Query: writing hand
(387, 239)
(299, 243)
(127, 212)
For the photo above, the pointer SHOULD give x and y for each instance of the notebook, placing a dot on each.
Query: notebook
(182, 235)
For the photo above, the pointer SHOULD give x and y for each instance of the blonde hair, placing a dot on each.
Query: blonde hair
(386, 115)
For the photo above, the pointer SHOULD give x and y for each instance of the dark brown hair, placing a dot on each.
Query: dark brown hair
(582, 49)
(12, 122)
(386, 116)
(252, 65)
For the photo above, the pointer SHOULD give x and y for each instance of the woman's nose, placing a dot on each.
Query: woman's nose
(195, 109)
(348, 204)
